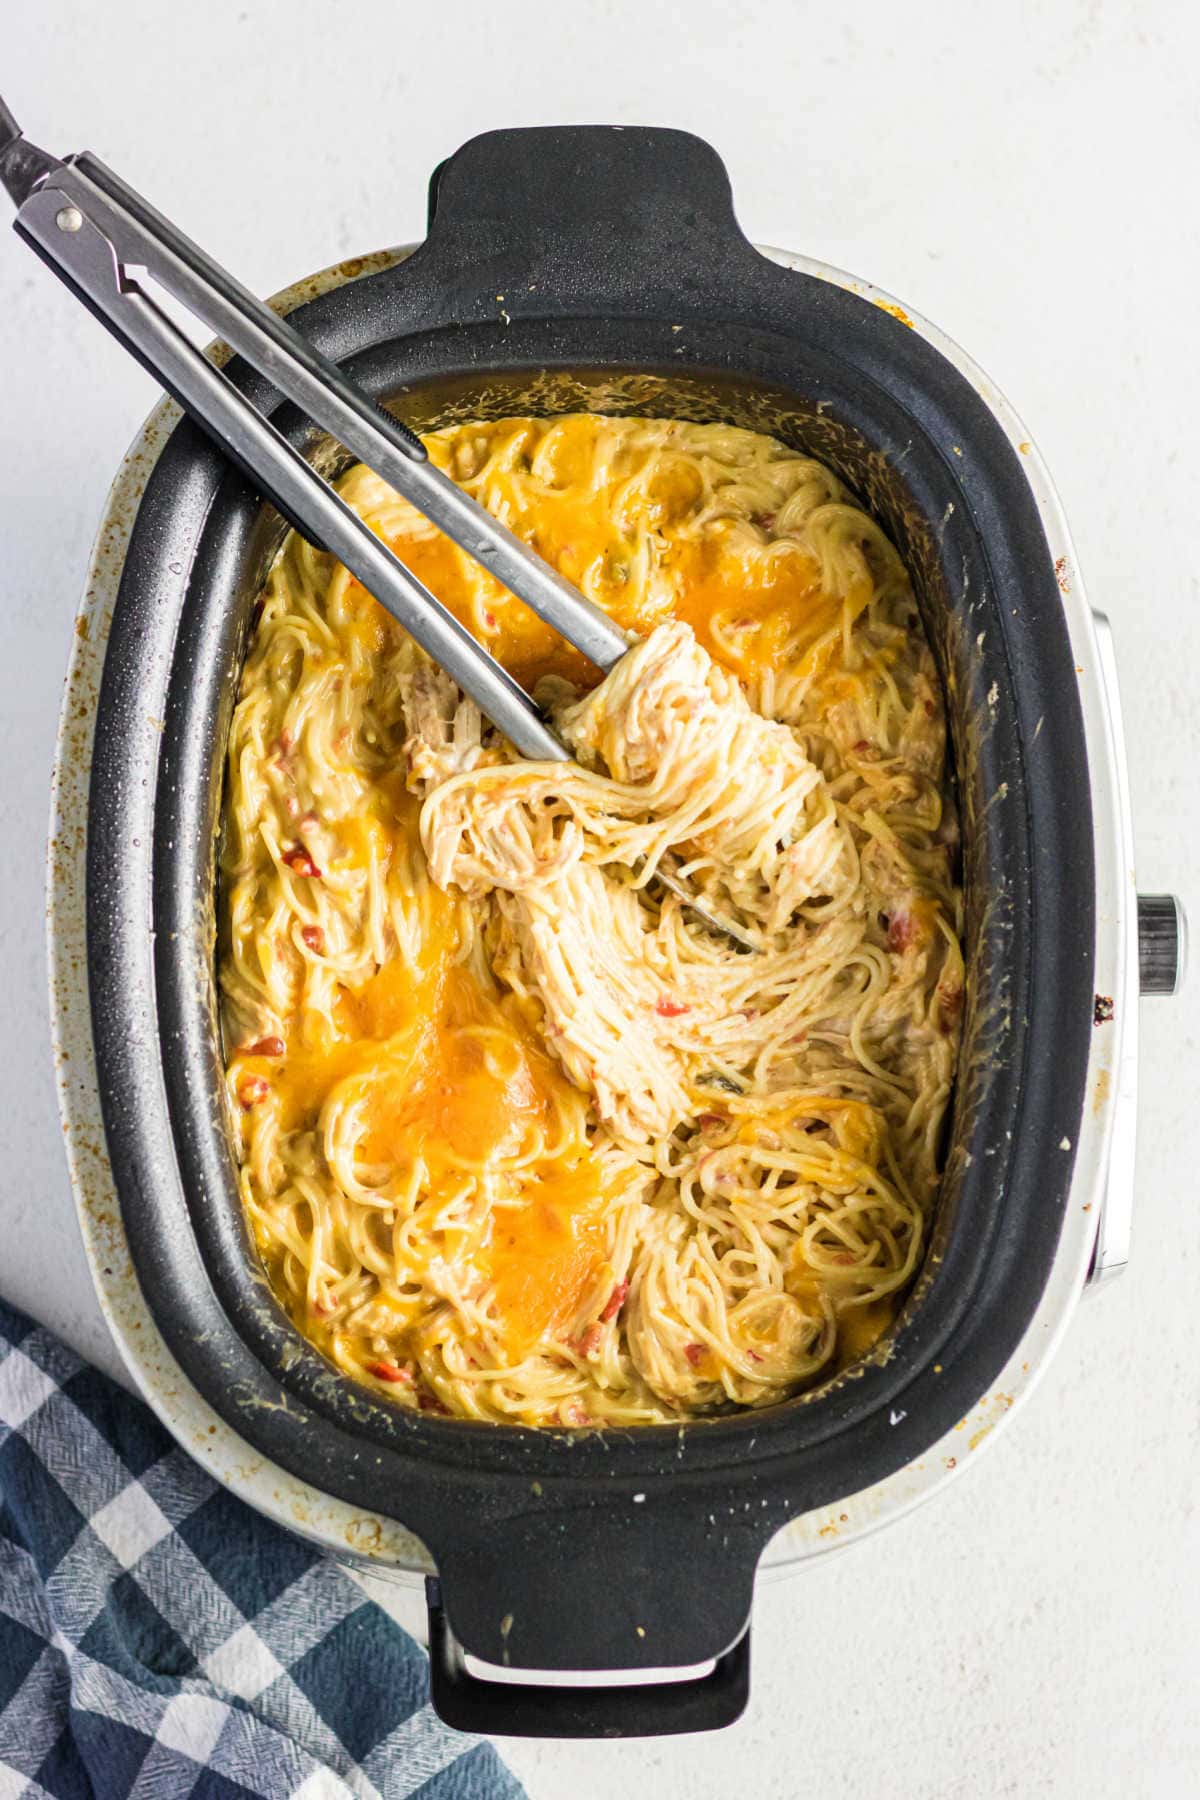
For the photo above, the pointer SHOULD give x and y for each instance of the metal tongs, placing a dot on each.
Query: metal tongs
(107, 243)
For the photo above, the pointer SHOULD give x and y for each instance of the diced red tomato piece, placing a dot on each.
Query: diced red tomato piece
(314, 937)
(669, 1009)
(385, 1370)
(950, 999)
(615, 1302)
(267, 1046)
(695, 1354)
(300, 862)
(902, 930)
(252, 1090)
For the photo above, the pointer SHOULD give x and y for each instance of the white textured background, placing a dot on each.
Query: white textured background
(1025, 175)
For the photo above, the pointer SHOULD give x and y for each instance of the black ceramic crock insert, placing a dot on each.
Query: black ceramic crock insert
(603, 269)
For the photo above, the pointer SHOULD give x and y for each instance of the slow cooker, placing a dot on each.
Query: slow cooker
(601, 1582)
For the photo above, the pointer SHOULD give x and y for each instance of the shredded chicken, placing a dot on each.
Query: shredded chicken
(634, 1007)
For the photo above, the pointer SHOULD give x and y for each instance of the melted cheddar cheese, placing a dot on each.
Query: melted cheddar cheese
(433, 1199)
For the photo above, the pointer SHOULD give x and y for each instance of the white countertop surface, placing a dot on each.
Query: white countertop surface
(1023, 175)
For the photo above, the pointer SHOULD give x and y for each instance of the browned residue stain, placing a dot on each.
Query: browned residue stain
(1060, 575)
(897, 312)
(1103, 1084)
(365, 1535)
(1025, 447)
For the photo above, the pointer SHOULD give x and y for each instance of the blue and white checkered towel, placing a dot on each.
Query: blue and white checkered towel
(160, 1639)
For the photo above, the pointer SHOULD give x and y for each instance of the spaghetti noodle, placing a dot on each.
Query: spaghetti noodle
(519, 1140)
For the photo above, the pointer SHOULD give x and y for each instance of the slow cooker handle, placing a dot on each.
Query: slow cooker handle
(547, 221)
(515, 1708)
(649, 1592)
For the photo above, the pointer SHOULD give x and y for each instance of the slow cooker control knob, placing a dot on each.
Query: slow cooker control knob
(1162, 943)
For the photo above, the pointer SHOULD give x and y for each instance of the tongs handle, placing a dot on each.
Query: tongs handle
(142, 237)
(319, 388)
(58, 220)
